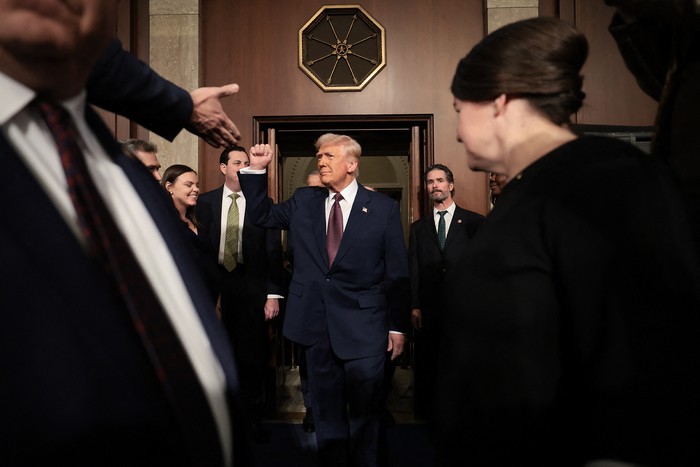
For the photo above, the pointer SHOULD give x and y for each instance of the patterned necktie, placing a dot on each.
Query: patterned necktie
(231, 241)
(441, 229)
(111, 252)
(335, 229)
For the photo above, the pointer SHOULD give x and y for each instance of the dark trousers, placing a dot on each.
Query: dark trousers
(348, 398)
(425, 362)
(303, 375)
(243, 316)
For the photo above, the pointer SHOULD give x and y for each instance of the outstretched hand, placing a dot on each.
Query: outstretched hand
(260, 156)
(208, 120)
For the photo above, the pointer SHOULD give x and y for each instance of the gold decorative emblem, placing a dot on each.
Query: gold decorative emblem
(341, 48)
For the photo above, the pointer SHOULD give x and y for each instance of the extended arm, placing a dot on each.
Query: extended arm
(123, 84)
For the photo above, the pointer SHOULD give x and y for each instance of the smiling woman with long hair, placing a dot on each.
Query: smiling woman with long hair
(182, 183)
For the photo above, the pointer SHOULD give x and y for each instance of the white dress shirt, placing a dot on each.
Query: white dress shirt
(448, 217)
(349, 193)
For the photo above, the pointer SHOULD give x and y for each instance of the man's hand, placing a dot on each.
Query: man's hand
(208, 120)
(396, 343)
(260, 156)
(272, 308)
(416, 318)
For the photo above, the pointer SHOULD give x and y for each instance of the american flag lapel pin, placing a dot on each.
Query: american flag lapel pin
(364, 209)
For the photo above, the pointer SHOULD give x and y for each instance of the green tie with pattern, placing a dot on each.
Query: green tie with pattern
(231, 242)
(441, 229)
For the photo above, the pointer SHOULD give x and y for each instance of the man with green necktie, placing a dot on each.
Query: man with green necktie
(436, 242)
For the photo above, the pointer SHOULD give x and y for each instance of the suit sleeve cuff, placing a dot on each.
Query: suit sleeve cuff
(248, 170)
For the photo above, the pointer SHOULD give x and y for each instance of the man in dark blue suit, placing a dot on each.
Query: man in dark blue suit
(83, 380)
(346, 312)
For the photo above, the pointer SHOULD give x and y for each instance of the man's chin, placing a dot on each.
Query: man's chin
(475, 165)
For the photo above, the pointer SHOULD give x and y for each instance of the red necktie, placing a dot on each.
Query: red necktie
(335, 229)
(111, 252)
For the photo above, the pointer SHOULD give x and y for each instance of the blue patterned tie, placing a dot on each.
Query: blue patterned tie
(441, 230)
(111, 252)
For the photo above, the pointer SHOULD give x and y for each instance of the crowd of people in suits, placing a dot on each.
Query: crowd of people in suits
(554, 331)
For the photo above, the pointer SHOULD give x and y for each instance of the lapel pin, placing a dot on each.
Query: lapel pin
(364, 209)
(459, 221)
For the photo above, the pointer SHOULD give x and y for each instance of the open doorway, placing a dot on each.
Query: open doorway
(395, 151)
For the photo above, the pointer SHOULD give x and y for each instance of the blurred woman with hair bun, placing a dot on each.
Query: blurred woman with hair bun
(572, 321)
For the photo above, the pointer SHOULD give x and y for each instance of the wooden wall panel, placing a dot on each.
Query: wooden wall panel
(132, 31)
(612, 94)
(255, 45)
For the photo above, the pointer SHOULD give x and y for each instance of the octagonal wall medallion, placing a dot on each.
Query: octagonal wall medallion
(341, 48)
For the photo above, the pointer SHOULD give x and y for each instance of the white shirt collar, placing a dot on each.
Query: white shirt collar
(15, 96)
(228, 191)
(349, 193)
(450, 210)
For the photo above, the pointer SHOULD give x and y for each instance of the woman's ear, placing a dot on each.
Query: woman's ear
(500, 104)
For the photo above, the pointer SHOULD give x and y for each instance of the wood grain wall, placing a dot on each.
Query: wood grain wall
(132, 30)
(255, 45)
(612, 94)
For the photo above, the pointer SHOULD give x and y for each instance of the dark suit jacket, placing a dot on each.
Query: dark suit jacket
(365, 290)
(428, 265)
(262, 248)
(574, 323)
(123, 84)
(76, 383)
